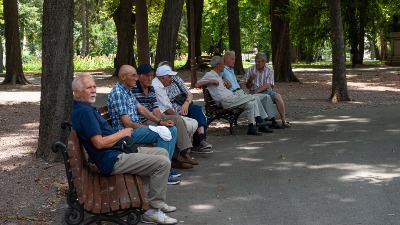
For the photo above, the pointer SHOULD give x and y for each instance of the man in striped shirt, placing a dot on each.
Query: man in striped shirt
(260, 79)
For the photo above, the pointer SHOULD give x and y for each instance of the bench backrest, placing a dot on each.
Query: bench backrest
(209, 103)
(104, 113)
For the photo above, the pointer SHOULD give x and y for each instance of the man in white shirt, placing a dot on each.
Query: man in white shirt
(227, 99)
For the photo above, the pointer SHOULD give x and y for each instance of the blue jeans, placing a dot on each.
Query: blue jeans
(269, 92)
(196, 112)
(147, 136)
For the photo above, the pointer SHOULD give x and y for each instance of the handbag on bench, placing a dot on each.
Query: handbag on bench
(127, 146)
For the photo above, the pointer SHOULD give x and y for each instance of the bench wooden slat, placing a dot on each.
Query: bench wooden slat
(104, 193)
(123, 195)
(142, 193)
(112, 186)
(88, 187)
(132, 190)
(96, 194)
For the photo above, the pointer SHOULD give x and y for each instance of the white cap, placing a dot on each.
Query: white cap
(164, 70)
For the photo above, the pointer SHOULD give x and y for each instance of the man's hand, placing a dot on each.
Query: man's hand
(185, 108)
(168, 123)
(227, 83)
(253, 76)
(127, 131)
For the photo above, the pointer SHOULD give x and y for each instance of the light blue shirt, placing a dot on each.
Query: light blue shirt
(229, 74)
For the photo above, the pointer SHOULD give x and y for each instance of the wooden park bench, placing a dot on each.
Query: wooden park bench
(118, 198)
(214, 111)
(203, 63)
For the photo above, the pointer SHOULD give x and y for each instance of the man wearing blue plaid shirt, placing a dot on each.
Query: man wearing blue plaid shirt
(124, 108)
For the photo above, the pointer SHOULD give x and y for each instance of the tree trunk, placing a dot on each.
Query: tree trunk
(383, 45)
(281, 58)
(198, 6)
(14, 72)
(168, 31)
(363, 22)
(1, 55)
(142, 32)
(339, 82)
(57, 73)
(234, 34)
(84, 30)
(124, 20)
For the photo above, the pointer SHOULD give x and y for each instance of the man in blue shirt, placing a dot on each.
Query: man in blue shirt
(124, 109)
(99, 139)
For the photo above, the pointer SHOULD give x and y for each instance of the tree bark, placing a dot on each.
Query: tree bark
(1, 55)
(124, 20)
(339, 81)
(280, 42)
(363, 21)
(168, 31)
(142, 32)
(57, 73)
(14, 72)
(198, 6)
(234, 34)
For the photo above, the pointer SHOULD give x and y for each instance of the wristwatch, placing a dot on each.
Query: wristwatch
(159, 121)
(187, 101)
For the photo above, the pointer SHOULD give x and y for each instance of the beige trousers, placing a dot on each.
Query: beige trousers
(153, 165)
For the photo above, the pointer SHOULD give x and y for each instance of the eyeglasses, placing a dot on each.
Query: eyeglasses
(134, 75)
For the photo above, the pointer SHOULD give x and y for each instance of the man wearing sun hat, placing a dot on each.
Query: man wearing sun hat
(145, 94)
(168, 87)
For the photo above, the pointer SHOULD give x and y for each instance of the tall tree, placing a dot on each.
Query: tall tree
(14, 72)
(124, 20)
(339, 82)
(168, 31)
(142, 32)
(281, 57)
(57, 74)
(1, 54)
(234, 34)
(198, 7)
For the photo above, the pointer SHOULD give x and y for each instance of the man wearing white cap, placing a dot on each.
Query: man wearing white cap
(174, 98)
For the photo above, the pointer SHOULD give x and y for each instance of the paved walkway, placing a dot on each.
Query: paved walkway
(337, 167)
(334, 167)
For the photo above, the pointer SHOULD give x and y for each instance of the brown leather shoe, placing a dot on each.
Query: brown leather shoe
(179, 165)
(187, 159)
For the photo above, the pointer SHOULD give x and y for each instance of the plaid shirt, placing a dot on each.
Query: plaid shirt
(149, 101)
(121, 101)
(263, 77)
(175, 89)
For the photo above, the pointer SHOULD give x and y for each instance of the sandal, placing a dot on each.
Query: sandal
(286, 124)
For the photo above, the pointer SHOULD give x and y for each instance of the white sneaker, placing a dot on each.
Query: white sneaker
(205, 145)
(158, 217)
(167, 208)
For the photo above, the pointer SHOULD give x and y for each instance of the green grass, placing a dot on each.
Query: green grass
(106, 63)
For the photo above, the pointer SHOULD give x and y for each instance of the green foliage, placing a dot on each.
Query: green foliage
(31, 63)
(92, 63)
(309, 24)
(255, 26)
(34, 64)
(30, 13)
